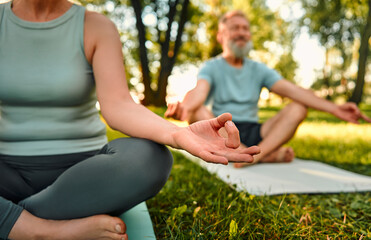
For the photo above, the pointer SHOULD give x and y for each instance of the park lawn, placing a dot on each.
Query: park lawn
(195, 204)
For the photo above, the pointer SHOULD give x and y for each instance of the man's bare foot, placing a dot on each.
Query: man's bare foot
(282, 155)
(95, 227)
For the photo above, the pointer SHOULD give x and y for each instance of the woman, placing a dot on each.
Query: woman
(59, 179)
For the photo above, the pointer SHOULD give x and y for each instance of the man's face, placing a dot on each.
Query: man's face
(236, 36)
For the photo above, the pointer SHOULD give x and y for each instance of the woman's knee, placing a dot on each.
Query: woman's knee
(154, 158)
(151, 161)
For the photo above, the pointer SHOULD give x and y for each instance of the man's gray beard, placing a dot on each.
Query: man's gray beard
(240, 52)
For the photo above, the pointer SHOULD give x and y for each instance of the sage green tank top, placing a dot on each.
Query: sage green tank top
(47, 88)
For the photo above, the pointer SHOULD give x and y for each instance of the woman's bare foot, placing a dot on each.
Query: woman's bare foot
(282, 155)
(95, 227)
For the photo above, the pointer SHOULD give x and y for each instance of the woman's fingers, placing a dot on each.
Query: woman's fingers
(220, 121)
(226, 157)
(212, 147)
(233, 139)
(234, 156)
(253, 150)
(213, 158)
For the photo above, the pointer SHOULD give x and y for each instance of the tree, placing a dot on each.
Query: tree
(337, 33)
(362, 62)
(154, 42)
(168, 40)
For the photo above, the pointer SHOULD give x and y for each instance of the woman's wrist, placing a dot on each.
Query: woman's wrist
(171, 136)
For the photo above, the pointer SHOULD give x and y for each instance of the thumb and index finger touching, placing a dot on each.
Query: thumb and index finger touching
(233, 140)
(225, 120)
(230, 151)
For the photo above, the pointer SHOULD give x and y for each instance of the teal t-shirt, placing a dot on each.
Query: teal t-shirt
(236, 90)
(47, 88)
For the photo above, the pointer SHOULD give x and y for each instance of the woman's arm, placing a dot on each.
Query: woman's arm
(124, 115)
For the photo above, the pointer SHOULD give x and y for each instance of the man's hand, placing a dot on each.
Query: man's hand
(177, 111)
(350, 112)
(203, 140)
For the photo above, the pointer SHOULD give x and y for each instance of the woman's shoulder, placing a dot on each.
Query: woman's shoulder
(98, 23)
(99, 30)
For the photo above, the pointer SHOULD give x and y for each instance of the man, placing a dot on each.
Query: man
(233, 83)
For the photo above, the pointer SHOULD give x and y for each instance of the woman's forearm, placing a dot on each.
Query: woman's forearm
(137, 121)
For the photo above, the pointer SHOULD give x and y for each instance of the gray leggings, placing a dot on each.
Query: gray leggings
(122, 174)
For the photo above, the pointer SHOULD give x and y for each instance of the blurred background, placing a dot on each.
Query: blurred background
(318, 44)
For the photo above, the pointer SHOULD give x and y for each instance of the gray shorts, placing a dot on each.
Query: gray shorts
(249, 133)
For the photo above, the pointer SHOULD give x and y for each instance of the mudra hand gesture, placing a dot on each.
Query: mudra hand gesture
(203, 140)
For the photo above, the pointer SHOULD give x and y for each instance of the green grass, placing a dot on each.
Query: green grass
(194, 204)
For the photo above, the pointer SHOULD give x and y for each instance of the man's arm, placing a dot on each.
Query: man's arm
(347, 112)
(193, 100)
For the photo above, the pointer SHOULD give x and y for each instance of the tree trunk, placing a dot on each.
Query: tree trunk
(362, 62)
(161, 91)
(169, 52)
(327, 76)
(146, 75)
(168, 57)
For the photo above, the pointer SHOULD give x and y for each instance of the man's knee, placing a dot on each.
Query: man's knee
(298, 111)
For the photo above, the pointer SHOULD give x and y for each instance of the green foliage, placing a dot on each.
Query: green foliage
(340, 34)
(334, 30)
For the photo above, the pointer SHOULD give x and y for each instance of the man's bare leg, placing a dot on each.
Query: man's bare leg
(277, 131)
(102, 227)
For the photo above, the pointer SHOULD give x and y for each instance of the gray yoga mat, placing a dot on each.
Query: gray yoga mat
(299, 176)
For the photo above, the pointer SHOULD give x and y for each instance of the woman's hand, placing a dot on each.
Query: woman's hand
(203, 140)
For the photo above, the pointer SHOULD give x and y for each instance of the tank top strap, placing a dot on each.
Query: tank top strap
(80, 21)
